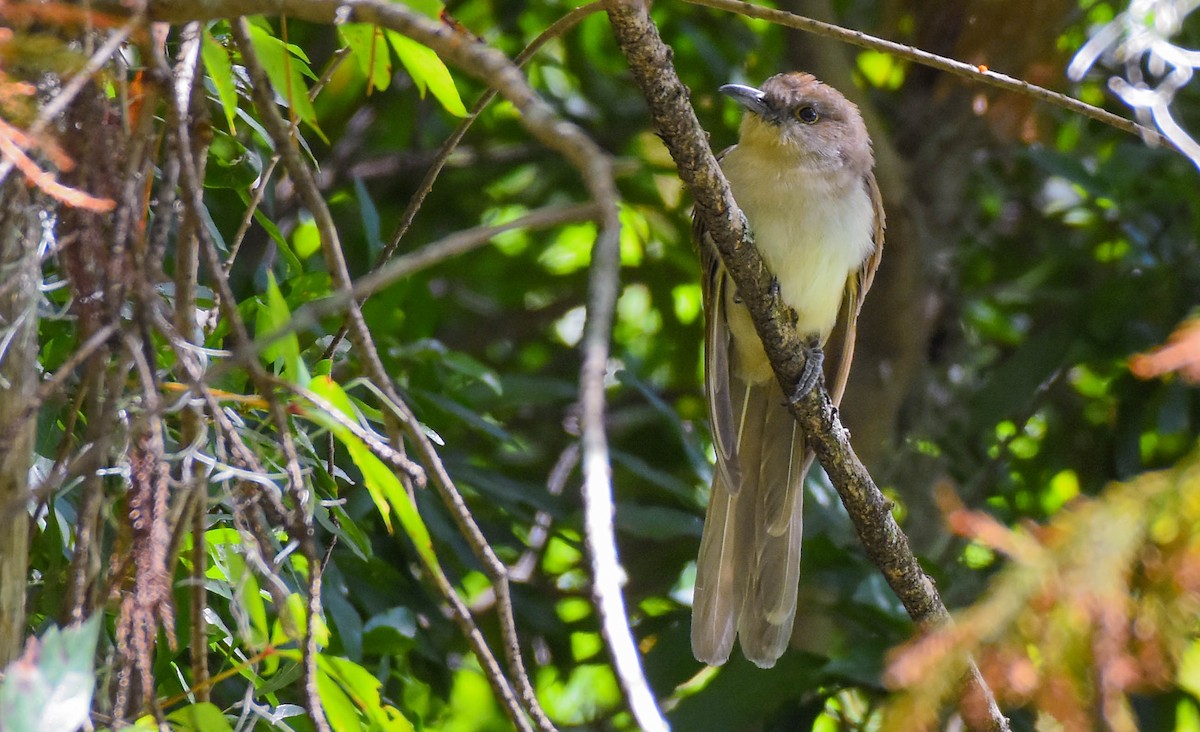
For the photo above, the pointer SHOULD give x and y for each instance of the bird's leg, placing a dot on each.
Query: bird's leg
(814, 362)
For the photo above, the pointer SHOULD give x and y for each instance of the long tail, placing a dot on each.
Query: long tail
(749, 565)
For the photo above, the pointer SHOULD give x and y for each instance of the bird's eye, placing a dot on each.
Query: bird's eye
(807, 115)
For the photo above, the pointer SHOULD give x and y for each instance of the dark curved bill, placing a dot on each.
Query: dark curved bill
(747, 96)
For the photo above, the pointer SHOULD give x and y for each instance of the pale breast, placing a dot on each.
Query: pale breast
(812, 229)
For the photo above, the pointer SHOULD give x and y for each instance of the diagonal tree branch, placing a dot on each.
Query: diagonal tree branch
(885, 544)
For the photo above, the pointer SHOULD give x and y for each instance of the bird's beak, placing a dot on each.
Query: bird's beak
(747, 96)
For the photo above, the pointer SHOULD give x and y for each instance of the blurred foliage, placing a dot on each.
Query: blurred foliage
(50, 687)
(1095, 607)
(1075, 250)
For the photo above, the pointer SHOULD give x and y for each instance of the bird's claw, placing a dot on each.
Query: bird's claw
(814, 362)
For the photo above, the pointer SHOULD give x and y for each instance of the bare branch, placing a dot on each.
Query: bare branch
(556, 29)
(980, 74)
(18, 374)
(192, 427)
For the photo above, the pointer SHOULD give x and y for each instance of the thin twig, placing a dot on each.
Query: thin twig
(264, 178)
(554, 30)
(300, 518)
(247, 513)
(310, 314)
(256, 197)
(377, 445)
(192, 427)
(973, 72)
(539, 533)
(461, 242)
(51, 385)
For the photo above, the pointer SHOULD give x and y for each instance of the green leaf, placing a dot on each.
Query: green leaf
(881, 70)
(298, 615)
(202, 717)
(571, 250)
(482, 422)
(369, 215)
(290, 265)
(1189, 669)
(306, 240)
(230, 164)
(382, 484)
(50, 687)
(286, 67)
(370, 52)
(364, 688)
(349, 692)
(657, 522)
(332, 392)
(220, 70)
(431, 8)
(428, 72)
(229, 565)
(337, 704)
(274, 315)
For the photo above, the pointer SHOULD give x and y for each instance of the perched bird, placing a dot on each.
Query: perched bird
(802, 174)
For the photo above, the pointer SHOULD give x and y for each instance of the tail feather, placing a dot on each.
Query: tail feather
(765, 625)
(720, 584)
(749, 565)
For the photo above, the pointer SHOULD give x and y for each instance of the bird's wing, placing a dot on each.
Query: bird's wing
(717, 376)
(722, 572)
(841, 341)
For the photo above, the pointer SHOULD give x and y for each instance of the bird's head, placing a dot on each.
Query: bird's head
(795, 116)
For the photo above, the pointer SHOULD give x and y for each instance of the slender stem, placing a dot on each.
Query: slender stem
(974, 72)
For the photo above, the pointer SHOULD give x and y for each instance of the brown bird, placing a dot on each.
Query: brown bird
(802, 174)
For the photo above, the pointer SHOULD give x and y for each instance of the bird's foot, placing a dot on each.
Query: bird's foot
(814, 362)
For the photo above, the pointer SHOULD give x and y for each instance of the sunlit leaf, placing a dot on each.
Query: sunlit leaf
(428, 72)
(370, 51)
(342, 713)
(881, 70)
(571, 250)
(224, 547)
(274, 315)
(385, 488)
(306, 240)
(220, 70)
(298, 620)
(200, 717)
(286, 67)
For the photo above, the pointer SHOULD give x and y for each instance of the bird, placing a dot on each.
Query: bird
(802, 172)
